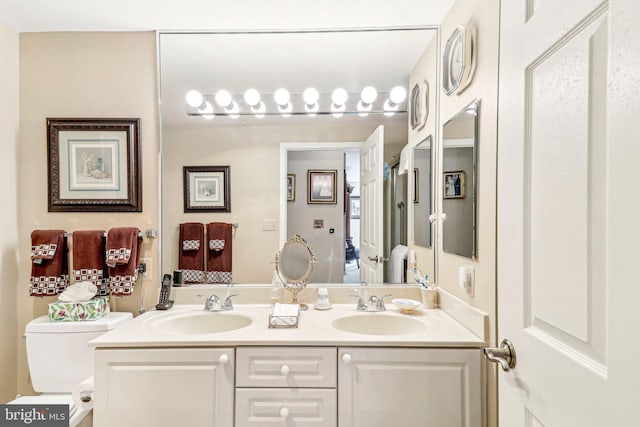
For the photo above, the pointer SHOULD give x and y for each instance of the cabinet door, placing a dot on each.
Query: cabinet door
(164, 387)
(420, 387)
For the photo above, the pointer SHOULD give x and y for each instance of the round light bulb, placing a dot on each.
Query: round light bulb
(223, 98)
(310, 96)
(363, 110)
(205, 108)
(337, 111)
(339, 97)
(194, 98)
(252, 97)
(281, 96)
(390, 108)
(398, 94)
(368, 94)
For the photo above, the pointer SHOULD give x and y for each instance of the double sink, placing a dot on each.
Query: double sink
(193, 322)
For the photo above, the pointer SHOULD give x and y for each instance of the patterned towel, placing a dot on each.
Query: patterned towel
(89, 260)
(50, 264)
(191, 252)
(123, 257)
(219, 252)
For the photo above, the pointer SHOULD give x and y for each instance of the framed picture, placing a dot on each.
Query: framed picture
(454, 185)
(415, 186)
(93, 165)
(291, 187)
(321, 186)
(207, 188)
(354, 208)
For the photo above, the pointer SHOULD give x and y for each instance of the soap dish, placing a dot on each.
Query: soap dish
(406, 305)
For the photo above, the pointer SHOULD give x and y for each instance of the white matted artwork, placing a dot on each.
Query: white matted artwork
(206, 189)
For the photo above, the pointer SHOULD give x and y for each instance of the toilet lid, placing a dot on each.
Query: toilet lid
(46, 399)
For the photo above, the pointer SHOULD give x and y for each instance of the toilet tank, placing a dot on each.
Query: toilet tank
(58, 353)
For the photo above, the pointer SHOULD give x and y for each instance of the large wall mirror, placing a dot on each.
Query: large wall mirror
(247, 139)
(459, 156)
(423, 193)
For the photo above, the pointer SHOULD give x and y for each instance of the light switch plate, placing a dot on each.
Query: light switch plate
(269, 225)
(148, 266)
(466, 279)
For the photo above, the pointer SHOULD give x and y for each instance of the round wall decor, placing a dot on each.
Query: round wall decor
(457, 60)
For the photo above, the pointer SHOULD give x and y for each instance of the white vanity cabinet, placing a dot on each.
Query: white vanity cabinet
(286, 386)
(380, 387)
(164, 387)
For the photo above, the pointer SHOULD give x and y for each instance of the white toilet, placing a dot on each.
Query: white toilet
(60, 359)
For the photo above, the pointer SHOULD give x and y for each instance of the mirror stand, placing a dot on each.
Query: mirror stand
(294, 265)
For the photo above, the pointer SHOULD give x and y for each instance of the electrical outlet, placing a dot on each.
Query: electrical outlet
(466, 279)
(269, 225)
(146, 274)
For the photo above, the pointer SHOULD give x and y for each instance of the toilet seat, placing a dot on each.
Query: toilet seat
(76, 415)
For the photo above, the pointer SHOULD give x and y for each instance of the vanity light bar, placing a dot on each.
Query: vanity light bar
(308, 103)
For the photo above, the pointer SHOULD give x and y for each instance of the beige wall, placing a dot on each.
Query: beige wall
(9, 122)
(82, 75)
(484, 17)
(252, 152)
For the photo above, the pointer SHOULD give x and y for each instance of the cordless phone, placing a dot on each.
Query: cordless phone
(165, 289)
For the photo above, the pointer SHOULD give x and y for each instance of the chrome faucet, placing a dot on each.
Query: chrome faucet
(374, 303)
(213, 303)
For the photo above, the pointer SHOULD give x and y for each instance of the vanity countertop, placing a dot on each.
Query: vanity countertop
(315, 328)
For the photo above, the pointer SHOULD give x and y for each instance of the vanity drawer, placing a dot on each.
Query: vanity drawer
(286, 367)
(299, 407)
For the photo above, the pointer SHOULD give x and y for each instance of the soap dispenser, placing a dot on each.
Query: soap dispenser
(323, 302)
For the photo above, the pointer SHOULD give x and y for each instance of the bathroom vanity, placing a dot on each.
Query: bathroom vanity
(186, 367)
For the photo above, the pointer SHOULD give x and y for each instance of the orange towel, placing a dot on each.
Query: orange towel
(50, 264)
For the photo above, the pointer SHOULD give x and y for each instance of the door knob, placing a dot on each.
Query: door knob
(505, 355)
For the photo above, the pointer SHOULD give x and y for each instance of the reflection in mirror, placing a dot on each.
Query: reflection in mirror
(422, 193)
(294, 265)
(250, 143)
(459, 152)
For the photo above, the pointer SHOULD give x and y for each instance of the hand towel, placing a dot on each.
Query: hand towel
(403, 166)
(123, 257)
(219, 236)
(49, 266)
(191, 252)
(88, 259)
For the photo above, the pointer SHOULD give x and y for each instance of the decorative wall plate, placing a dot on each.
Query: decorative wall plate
(457, 60)
(419, 105)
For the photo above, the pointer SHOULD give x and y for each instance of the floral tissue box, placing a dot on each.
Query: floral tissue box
(79, 311)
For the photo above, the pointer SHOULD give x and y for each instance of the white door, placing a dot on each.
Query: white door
(568, 209)
(371, 200)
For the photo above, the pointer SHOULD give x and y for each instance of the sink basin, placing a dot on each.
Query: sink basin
(378, 324)
(200, 322)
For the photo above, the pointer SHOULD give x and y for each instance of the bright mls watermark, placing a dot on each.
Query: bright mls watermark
(34, 415)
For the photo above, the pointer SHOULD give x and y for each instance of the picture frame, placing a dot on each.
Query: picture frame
(453, 185)
(291, 187)
(415, 185)
(207, 188)
(322, 186)
(93, 165)
(354, 207)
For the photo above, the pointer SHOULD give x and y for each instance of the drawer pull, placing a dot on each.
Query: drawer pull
(346, 358)
(284, 412)
(223, 359)
(284, 370)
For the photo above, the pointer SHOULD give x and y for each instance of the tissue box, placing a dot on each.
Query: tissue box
(79, 311)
